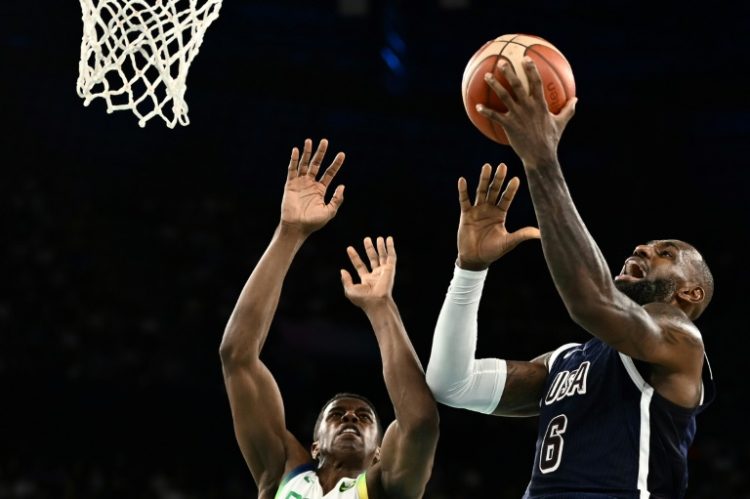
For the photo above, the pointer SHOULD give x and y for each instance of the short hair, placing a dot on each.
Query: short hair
(347, 395)
(702, 275)
(706, 280)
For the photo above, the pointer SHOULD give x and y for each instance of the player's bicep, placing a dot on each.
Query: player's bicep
(524, 385)
(258, 418)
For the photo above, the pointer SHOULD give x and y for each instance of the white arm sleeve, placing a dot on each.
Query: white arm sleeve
(455, 377)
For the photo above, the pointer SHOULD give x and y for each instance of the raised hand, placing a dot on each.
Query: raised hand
(375, 284)
(533, 131)
(303, 206)
(482, 235)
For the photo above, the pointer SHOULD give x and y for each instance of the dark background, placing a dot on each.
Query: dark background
(124, 249)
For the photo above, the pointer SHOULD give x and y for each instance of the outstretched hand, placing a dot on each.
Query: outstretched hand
(303, 206)
(533, 131)
(482, 235)
(376, 284)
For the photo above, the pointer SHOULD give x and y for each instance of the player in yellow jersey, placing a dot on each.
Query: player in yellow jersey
(349, 458)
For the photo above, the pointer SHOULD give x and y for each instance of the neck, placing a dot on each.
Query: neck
(331, 470)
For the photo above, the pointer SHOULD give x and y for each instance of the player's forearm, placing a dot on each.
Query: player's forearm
(578, 267)
(455, 377)
(250, 321)
(412, 400)
(454, 341)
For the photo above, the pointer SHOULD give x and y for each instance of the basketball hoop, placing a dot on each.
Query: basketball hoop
(135, 54)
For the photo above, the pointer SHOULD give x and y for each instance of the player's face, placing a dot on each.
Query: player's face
(348, 426)
(655, 271)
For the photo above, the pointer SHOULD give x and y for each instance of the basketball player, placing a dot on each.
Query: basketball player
(349, 457)
(616, 413)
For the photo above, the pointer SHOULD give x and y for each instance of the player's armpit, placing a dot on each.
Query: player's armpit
(523, 388)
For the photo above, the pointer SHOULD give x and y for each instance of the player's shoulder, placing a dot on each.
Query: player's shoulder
(303, 471)
(549, 358)
(675, 324)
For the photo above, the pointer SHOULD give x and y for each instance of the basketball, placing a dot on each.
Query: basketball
(554, 69)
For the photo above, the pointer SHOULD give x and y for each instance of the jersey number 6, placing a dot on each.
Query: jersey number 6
(550, 453)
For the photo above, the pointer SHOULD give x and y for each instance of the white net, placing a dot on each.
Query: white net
(135, 54)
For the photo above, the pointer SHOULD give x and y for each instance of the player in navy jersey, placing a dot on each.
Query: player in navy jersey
(349, 457)
(617, 414)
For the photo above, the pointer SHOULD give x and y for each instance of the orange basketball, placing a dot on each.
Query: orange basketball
(556, 73)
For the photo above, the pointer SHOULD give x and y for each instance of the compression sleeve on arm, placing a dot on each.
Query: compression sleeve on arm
(455, 377)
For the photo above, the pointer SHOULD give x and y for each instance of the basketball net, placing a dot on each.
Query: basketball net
(135, 54)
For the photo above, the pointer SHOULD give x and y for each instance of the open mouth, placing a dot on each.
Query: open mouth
(349, 430)
(633, 269)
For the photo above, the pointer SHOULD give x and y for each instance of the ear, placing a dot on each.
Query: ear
(315, 450)
(695, 294)
(377, 456)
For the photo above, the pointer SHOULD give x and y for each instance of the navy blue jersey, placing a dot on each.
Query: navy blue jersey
(604, 432)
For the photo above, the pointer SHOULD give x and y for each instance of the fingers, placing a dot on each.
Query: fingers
(293, 163)
(390, 247)
(463, 195)
(528, 233)
(497, 183)
(309, 164)
(487, 192)
(336, 199)
(567, 112)
(508, 194)
(491, 114)
(509, 96)
(503, 94)
(304, 162)
(513, 93)
(357, 262)
(382, 253)
(536, 90)
(484, 182)
(521, 235)
(317, 159)
(372, 253)
(509, 73)
(346, 279)
(332, 170)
